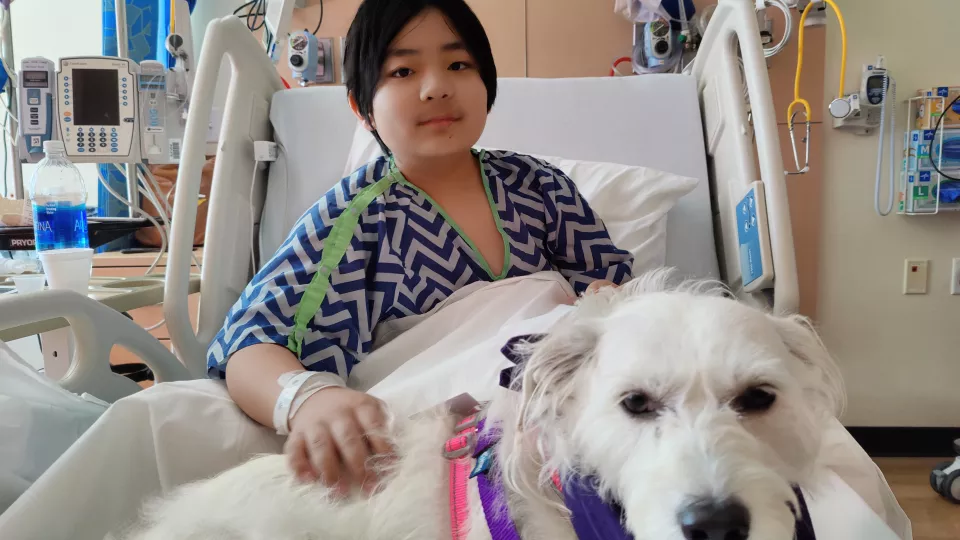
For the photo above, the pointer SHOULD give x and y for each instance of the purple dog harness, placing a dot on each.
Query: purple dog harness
(472, 449)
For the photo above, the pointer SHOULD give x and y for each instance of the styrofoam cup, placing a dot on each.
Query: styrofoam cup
(28, 283)
(68, 268)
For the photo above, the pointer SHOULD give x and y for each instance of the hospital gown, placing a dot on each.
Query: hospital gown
(405, 255)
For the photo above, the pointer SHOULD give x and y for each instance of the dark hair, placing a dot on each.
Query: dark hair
(378, 22)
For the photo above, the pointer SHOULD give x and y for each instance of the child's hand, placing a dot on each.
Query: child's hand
(333, 436)
(599, 284)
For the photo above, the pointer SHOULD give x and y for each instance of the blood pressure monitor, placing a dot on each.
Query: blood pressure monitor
(873, 84)
(97, 116)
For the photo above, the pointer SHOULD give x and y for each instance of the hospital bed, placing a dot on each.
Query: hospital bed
(696, 125)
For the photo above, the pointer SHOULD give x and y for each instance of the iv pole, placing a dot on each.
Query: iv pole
(120, 10)
(14, 149)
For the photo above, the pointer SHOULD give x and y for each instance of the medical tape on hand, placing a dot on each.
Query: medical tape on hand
(291, 397)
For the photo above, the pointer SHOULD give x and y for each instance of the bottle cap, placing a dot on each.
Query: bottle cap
(53, 146)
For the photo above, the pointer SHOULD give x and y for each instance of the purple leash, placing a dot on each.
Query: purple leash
(492, 494)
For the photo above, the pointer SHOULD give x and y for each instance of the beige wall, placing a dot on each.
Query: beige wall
(575, 38)
(900, 354)
(504, 21)
(539, 38)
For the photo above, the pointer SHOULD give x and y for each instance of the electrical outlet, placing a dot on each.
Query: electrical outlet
(915, 276)
(955, 277)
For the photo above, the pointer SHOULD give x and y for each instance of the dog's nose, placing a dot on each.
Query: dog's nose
(710, 519)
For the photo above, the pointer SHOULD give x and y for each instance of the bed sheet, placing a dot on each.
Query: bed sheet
(150, 442)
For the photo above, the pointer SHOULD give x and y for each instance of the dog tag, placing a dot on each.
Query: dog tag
(483, 463)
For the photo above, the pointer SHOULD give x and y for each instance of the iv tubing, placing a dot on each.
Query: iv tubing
(892, 96)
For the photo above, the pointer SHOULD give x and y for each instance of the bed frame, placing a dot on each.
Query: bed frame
(729, 132)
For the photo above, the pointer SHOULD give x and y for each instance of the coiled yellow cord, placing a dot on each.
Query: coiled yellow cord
(797, 100)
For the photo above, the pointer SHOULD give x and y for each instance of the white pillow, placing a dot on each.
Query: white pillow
(633, 202)
(364, 149)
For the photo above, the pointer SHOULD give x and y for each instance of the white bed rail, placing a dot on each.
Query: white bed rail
(96, 330)
(246, 119)
(730, 153)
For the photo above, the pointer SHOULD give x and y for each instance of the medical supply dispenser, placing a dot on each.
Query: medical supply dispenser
(924, 190)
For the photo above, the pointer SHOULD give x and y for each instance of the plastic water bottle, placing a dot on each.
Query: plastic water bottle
(59, 201)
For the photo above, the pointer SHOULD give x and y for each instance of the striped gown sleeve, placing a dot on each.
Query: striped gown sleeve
(577, 240)
(341, 332)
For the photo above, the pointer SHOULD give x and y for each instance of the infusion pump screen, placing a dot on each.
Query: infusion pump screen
(96, 97)
(35, 79)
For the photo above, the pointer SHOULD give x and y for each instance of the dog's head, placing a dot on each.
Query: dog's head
(695, 412)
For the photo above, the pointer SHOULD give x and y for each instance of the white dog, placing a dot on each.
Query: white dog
(692, 412)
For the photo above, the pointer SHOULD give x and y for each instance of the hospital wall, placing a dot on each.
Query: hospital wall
(900, 354)
(581, 38)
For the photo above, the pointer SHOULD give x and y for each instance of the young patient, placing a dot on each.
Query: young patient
(398, 235)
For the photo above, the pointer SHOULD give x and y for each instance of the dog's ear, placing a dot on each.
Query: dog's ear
(803, 342)
(550, 368)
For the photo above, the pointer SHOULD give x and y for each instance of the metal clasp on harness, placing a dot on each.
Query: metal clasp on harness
(465, 440)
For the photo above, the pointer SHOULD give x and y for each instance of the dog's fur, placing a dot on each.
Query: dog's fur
(688, 347)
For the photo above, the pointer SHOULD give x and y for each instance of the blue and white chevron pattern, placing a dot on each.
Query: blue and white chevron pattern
(405, 257)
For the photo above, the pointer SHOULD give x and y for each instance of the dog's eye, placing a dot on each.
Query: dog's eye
(637, 404)
(754, 399)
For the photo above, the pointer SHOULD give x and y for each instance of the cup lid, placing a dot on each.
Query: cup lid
(67, 254)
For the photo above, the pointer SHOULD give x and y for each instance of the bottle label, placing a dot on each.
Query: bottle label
(60, 226)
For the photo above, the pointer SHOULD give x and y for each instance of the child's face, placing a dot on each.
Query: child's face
(430, 101)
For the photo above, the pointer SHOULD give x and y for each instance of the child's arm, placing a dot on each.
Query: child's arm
(327, 433)
(247, 371)
(324, 314)
(258, 342)
(579, 244)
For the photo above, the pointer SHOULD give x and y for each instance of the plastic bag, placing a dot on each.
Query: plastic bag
(39, 420)
(638, 10)
(949, 192)
(644, 11)
(15, 213)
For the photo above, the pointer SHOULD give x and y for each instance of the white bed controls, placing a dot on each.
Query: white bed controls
(265, 151)
(756, 259)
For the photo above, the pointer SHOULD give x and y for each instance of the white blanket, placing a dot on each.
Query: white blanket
(177, 432)
(456, 348)
(39, 420)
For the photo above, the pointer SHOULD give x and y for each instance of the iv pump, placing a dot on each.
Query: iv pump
(869, 109)
(37, 106)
